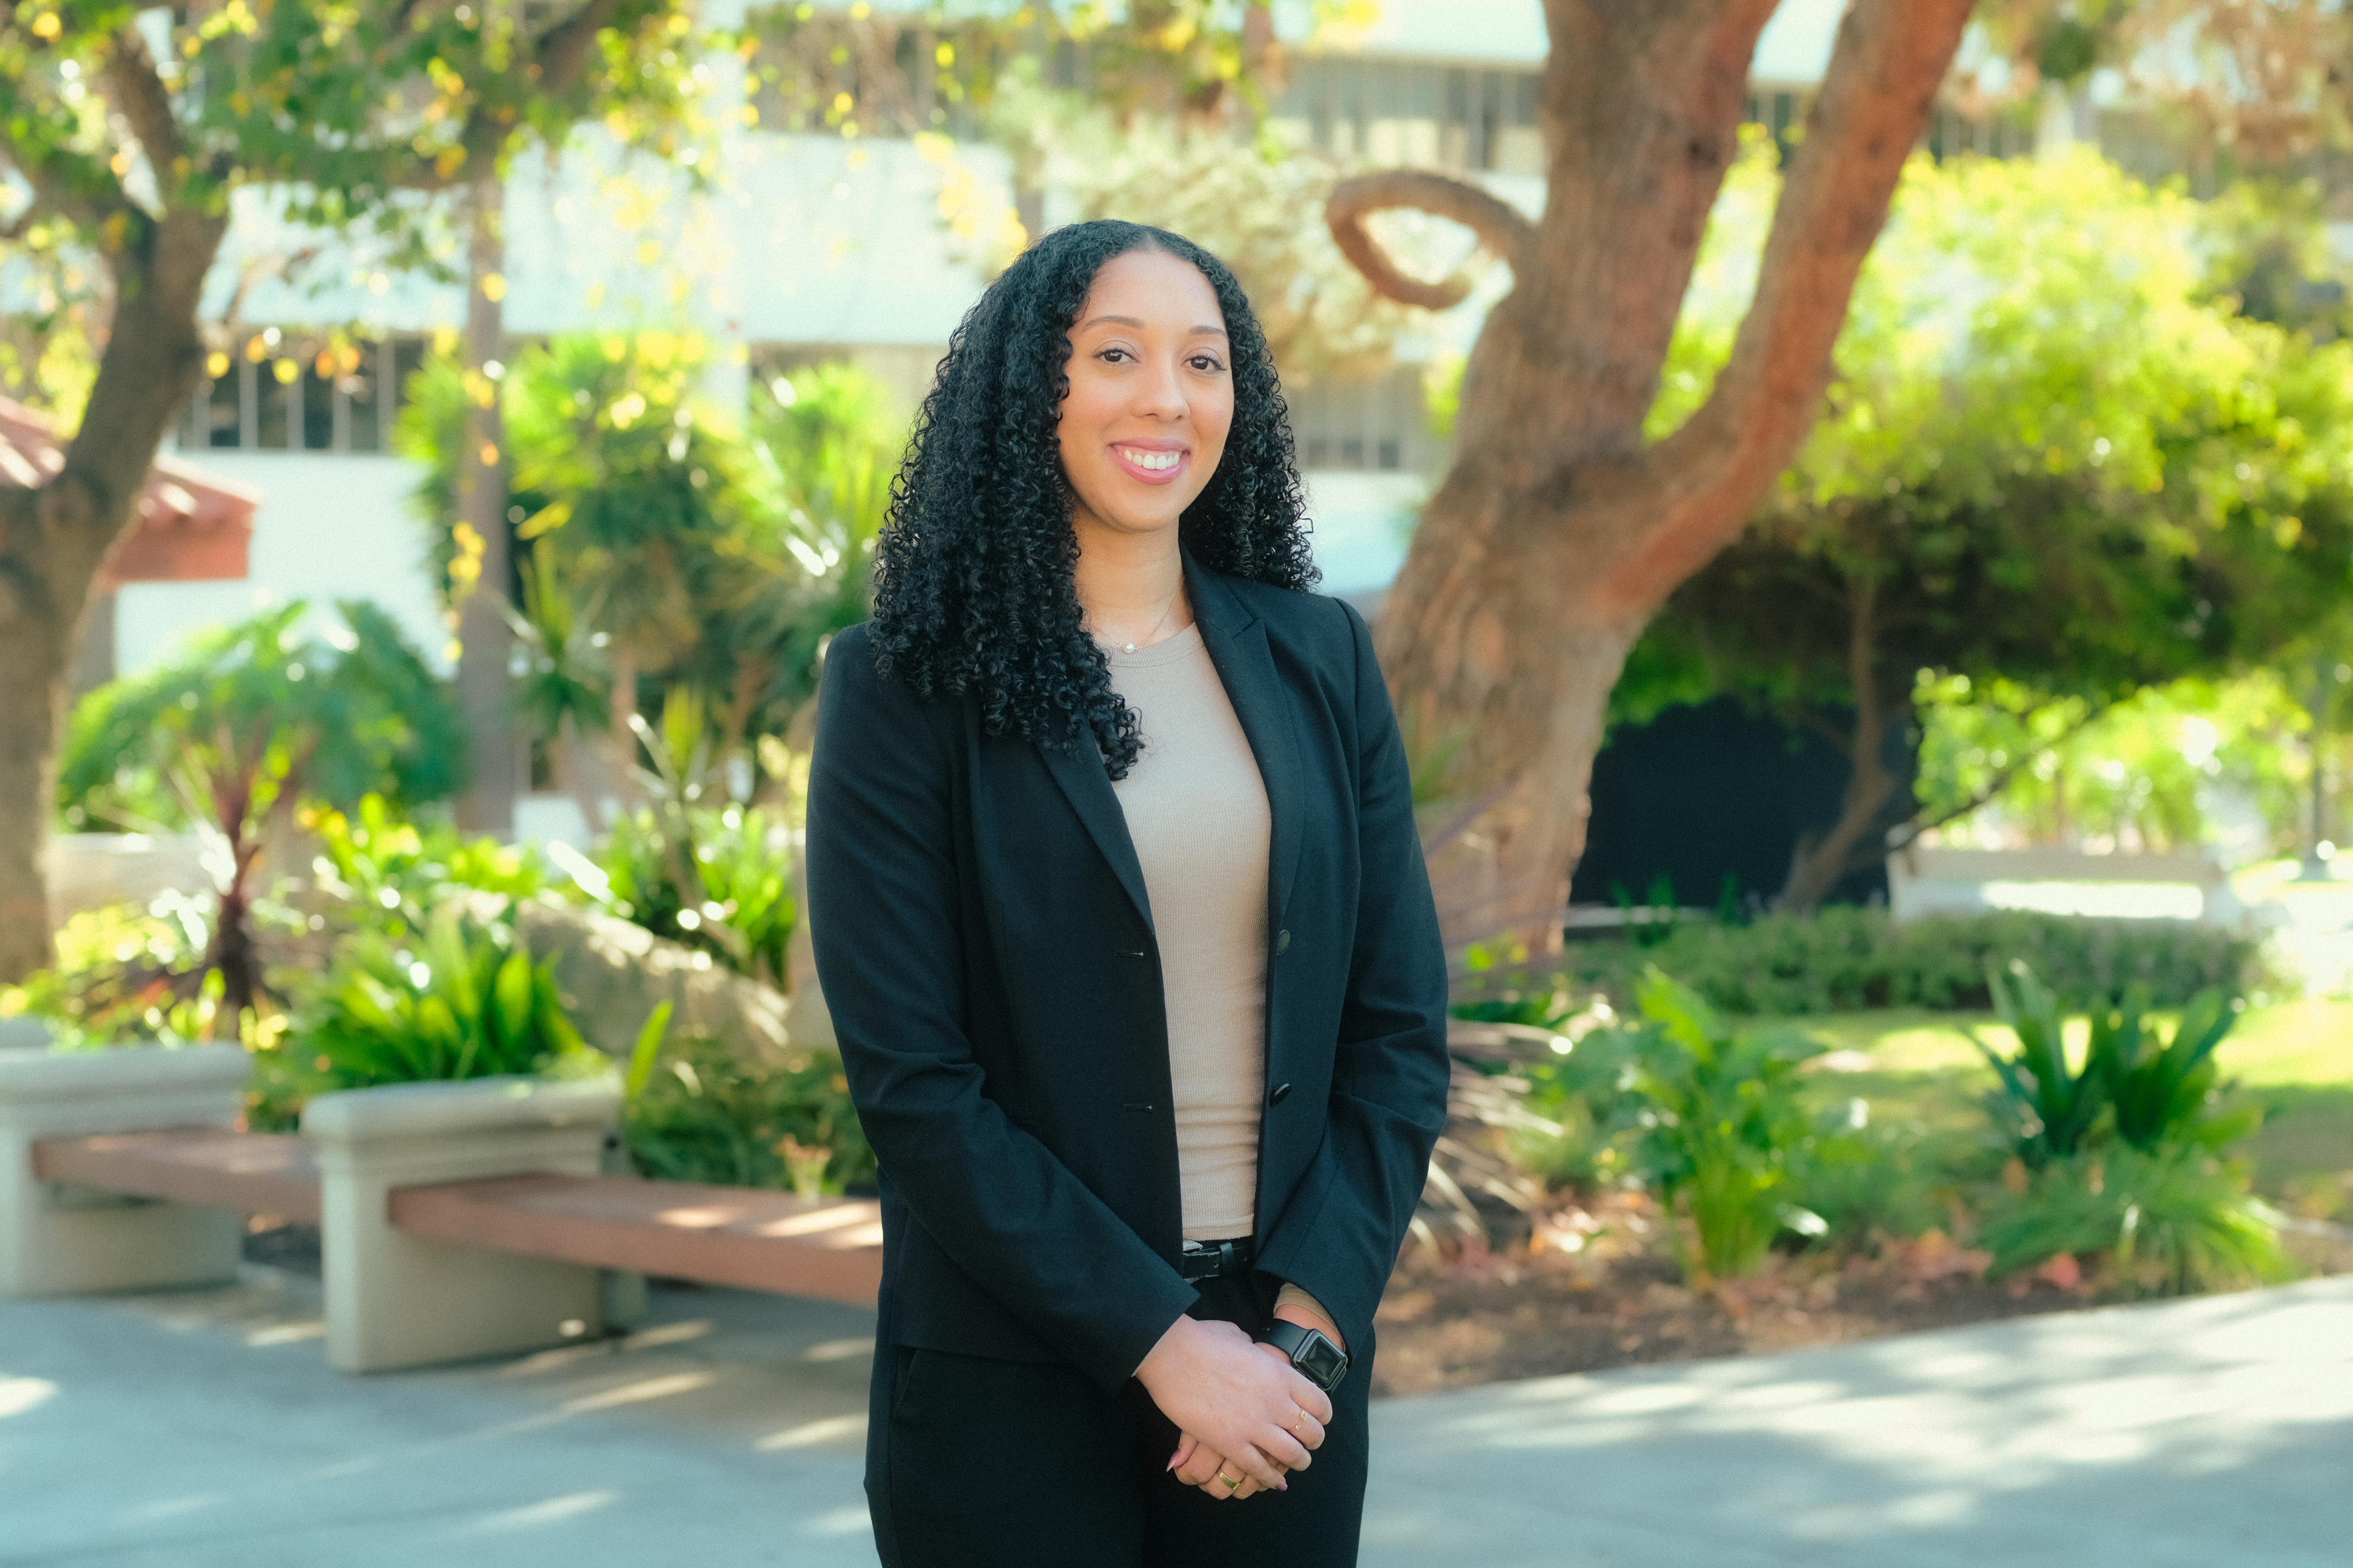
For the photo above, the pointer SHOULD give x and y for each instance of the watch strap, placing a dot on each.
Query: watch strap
(1301, 1344)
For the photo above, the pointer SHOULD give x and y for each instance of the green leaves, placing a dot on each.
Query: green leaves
(717, 879)
(2149, 1092)
(2052, 455)
(2122, 1155)
(1725, 1121)
(2047, 1105)
(465, 1002)
(253, 716)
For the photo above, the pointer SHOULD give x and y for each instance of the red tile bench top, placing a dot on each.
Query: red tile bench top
(739, 1237)
(251, 1173)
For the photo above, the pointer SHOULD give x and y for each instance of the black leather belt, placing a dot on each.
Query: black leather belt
(1216, 1259)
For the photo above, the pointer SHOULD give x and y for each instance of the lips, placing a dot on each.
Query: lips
(1151, 465)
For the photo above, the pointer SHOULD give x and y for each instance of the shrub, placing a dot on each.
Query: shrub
(464, 1001)
(702, 1115)
(720, 881)
(385, 872)
(2122, 1156)
(1723, 1123)
(227, 737)
(2171, 1219)
(124, 973)
(2151, 1093)
(1841, 960)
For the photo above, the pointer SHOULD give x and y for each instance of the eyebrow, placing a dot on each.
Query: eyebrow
(1140, 326)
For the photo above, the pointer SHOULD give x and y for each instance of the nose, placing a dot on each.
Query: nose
(1160, 392)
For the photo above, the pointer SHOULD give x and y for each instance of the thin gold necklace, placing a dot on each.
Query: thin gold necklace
(1166, 611)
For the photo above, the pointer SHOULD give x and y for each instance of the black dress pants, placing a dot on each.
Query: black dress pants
(974, 1463)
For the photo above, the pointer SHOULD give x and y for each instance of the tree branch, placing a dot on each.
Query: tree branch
(562, 53)
(1499, 225)
(68, 183)
(1882, 84)
(140, 98)
(560, 56)
(1919, 827)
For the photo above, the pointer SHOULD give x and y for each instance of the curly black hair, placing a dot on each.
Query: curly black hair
(975, 594)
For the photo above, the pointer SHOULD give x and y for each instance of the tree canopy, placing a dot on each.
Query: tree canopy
(130, 133)
(2051, 456)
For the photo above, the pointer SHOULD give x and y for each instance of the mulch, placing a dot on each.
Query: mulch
(1590, 1291)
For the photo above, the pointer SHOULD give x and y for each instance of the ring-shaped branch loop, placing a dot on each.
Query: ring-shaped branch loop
(1502, 232)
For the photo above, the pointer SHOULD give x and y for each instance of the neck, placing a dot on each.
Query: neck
(1126, 580)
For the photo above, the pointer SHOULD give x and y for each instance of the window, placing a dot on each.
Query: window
(304, 395)
(1376, 426)
(1413, 113)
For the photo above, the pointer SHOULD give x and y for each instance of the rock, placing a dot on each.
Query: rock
(613, 973)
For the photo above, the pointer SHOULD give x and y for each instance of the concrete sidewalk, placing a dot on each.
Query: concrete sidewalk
(201, 1430)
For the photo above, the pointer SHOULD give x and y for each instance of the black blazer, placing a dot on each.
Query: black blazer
(985, 942)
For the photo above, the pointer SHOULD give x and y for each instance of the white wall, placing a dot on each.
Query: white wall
(330, 527)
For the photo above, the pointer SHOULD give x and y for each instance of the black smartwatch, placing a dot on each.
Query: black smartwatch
(1317, 1357)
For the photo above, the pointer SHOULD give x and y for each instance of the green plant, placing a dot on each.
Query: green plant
(389, 872)
(701, 1114)
(1868, 1180)
(228, 738)
(1723, 1124)
(464, 1002)
(2121, 1156)
(1845, 960)
(715, 880)
(2045, 1106)
(2162, 1089)
(124, 973)
(2149, 1091)
(2170, 1219)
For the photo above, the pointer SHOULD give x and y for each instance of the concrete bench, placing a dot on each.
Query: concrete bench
(456, 1220)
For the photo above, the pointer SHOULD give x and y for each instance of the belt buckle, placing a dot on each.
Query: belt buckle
(1212, 1262)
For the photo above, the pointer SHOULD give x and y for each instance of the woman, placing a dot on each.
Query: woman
(1120, 916)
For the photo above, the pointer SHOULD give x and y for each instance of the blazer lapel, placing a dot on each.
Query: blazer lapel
(1080, 772)
(1236, 643)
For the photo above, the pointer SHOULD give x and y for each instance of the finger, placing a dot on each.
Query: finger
(1250, 1464)
(1306, 1431)
(1204, 1463)
(1311, 1399)
(1218, 1489)
(1187, 1446)
(1286, 1450)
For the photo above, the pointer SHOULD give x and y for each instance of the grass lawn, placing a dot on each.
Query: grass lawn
(2296, 1059)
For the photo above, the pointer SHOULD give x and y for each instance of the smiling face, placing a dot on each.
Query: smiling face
(1151, 398)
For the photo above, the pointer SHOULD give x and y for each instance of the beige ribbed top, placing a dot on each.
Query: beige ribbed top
(1197, 813)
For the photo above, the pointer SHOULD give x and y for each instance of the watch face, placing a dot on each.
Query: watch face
(1321, 1360)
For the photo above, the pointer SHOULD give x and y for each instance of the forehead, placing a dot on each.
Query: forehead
(1154, 286)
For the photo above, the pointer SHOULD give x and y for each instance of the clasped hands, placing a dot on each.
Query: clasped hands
(1241, 1409)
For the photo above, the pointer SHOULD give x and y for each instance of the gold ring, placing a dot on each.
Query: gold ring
(1231, 1486)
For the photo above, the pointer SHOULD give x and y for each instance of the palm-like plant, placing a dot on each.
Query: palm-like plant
(252, 720)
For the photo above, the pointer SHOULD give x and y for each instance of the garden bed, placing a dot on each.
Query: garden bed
(1486, 1318)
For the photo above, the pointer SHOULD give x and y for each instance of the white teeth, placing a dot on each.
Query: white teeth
(1154, 460)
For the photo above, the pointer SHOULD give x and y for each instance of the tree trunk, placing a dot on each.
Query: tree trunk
(1558, 530)
(53, 540)
(1821, 859)
(485, 639)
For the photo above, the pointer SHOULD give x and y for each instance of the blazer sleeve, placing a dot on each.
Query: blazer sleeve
(888, 935)
(1338, 1237)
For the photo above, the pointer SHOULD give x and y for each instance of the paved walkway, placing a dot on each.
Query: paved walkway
(203, 1431)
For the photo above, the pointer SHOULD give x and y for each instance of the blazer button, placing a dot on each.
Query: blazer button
(1280, 1090)
(1281, 943)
